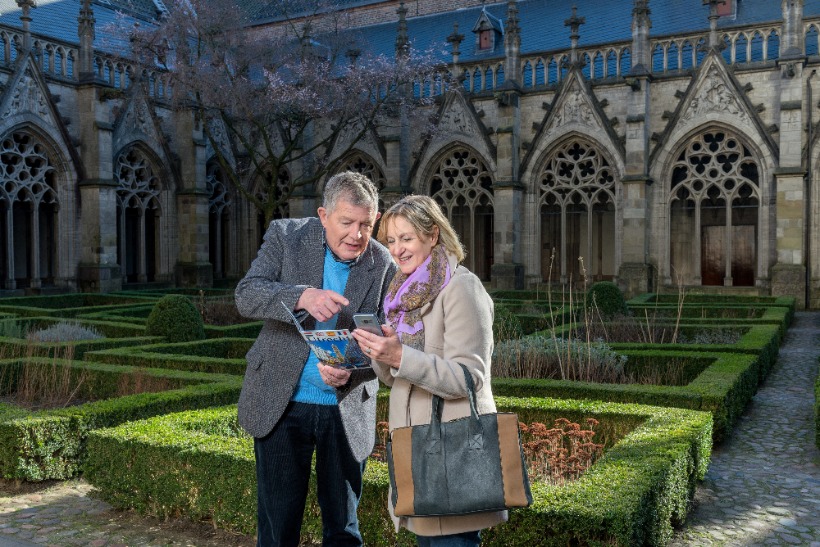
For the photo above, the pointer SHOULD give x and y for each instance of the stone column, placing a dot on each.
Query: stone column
(10, 283)
(635, 271)
(507, 271)
(392, 191)
(98, 270)
(193, 267)
(789, 274)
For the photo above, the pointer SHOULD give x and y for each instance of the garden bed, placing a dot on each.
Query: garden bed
(67, 305)
(50, 444)
(200, 465)
(218, 355)
(724, 386)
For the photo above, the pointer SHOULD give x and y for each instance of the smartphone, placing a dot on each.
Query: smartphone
(368, 322)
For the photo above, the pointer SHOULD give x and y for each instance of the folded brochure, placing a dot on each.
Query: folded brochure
(335, 347)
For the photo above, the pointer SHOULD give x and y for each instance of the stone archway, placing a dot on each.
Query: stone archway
(576, 197)
(714, 211)
(220, 208)
(463, 185)
(28, 212)
(138, 215)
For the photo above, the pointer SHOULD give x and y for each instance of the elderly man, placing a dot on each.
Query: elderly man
(325, 269)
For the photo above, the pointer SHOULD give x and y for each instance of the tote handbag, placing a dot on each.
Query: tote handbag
(468, 465)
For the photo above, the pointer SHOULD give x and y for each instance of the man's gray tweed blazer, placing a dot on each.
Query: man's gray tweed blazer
(290, 260)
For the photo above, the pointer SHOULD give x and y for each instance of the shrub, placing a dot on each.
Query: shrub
(64, 332)
(540, 356)
(607, 298)
(506, 325)
(175, 318)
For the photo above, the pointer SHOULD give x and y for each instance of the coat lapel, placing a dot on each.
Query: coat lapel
(312, 254)
(359, 284)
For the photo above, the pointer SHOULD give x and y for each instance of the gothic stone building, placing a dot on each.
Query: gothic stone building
(662, 145)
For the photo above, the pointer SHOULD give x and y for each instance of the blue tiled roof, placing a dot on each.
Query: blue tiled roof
(541, 22)
(57, 19)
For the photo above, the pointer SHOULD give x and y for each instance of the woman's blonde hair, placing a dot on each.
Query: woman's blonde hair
(424, 215)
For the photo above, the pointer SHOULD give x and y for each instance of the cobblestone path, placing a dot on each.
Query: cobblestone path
(763, 483)
(762, 487)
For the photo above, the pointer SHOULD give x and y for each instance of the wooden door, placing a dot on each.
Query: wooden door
(712, 255)
(744, 256)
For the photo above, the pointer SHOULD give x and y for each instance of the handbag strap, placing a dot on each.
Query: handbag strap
(438, 408)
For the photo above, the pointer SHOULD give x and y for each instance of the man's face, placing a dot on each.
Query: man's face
(348, 228)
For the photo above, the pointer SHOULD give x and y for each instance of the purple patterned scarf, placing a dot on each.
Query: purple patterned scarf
(408, 294)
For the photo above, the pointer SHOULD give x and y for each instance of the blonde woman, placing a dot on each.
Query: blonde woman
(438, 317)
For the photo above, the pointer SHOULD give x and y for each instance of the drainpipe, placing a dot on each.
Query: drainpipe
(807, 193)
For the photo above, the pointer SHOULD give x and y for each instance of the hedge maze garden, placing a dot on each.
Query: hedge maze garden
(136, 392)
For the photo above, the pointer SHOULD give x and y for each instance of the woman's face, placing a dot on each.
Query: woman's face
(408, 248)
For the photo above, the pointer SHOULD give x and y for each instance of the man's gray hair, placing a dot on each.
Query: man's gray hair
(352, 187)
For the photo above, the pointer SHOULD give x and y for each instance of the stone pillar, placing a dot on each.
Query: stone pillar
(635, 271)
(193, 267)
(789, 274)
(392, 191)
(305, 200)
(98, 270)
(507, 271)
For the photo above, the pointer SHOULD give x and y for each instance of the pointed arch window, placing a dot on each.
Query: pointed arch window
(364, 164)
(282, 192)
(28, 212)
(138, 213)
(714, 204)
(463, 186)
(577, 205)
(220, 205)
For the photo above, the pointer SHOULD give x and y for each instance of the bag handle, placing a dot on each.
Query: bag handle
(476, 431)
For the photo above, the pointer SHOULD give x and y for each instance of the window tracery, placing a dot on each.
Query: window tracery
(462, 178)
(577, 206)
(715, 166)
(365, 165)
(577, 174)
(463, 186)
(27, 175)
(220, 197)
(138, 185)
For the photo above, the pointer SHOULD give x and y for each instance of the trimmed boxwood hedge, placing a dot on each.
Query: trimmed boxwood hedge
(50, 444)
(218, 355)
(761, 340)
(61, 349)
(138, 315)
(68, 305)
(698, 298)
(199, 465)
(724, 388)
(108, 328)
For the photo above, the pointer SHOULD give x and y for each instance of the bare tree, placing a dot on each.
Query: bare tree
(302, 91)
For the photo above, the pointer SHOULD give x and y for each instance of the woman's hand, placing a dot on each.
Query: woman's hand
(333, 376)
(385, 349)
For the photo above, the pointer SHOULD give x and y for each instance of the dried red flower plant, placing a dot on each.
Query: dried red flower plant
(561, 453)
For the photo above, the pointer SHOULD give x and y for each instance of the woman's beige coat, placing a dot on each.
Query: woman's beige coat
(457, 330)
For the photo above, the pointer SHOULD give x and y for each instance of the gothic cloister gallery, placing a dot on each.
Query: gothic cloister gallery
(653, 143)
